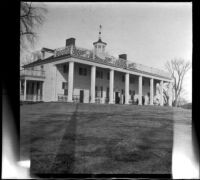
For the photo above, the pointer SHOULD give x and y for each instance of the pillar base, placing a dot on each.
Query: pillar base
(110, 102)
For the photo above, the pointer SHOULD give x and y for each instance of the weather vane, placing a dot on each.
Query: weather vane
(100, 31)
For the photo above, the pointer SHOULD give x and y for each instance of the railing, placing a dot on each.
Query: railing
(62, 98)
(106, 100)
(62, 51)
(76, 98)
(33, 73)
(109, 60)
(31, 97)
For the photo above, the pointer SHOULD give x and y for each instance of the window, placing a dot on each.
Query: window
(42, 67)
(96, 89)
(122, 91)
(99, 74)
(130, 92)
(64, 68)
(83, 71)
(80, 71)
(143, 82)
(99, 46)
(64, 85)
(101, 91)
(65, 92)
(107, 92)
(123, 78)
(132, 80)
(108, 76)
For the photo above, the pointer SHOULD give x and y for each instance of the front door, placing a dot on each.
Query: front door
(117, 99)
(81, 96)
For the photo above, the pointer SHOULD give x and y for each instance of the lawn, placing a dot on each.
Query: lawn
(97, 139)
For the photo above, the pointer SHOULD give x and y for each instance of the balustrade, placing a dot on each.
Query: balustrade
(109, 60)
(33, 73)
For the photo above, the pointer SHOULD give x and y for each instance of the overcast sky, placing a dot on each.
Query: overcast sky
(149, 33)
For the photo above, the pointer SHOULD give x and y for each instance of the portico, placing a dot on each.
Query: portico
(31, 85)
(31, 90)
(74, 74)
(109, 80)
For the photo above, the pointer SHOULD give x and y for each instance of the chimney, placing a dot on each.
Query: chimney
(70, 42)
(46, 52)
(123, 56)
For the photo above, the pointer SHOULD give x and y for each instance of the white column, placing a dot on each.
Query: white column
(140, 90)
(42, 91)
(30, 87)
(93, 79)
(170, 94)
(111, 86)
(39, 90)
(127, 88)
(161, 93)
(34, 90)
(70, 81)
(24, 89)
(151, 91)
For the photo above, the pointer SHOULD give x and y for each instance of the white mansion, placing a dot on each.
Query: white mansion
(74, 74)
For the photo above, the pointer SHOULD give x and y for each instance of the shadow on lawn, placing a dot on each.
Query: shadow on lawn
(65, 156)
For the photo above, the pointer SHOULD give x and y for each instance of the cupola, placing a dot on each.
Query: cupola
(99, 46)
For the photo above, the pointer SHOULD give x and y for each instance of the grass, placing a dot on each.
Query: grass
(97, 139)
(187, 106)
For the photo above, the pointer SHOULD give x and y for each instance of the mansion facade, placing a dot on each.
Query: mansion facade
(75, 74)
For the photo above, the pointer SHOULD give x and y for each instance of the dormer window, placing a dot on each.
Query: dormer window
(99, 46)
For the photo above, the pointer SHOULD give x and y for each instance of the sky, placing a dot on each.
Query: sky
(149, 33)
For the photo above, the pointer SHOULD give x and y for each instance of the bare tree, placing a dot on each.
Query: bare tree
(177, 69)
(31, 17)
(166, 93)
(31, 57)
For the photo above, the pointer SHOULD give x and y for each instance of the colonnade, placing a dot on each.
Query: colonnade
(37, 91)
(111, 87)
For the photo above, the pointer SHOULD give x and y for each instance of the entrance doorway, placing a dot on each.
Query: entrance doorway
(117, 98)
(81, 96)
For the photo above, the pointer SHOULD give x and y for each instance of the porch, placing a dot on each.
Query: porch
(31, 90)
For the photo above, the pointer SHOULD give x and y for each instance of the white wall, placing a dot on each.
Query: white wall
(55, 77)
(82, 82)
(49, 86)
(60, 78)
